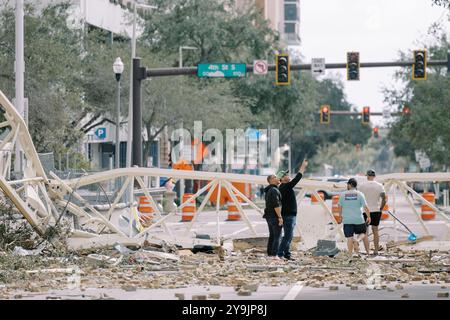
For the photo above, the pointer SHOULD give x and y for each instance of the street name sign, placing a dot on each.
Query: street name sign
(221, 70)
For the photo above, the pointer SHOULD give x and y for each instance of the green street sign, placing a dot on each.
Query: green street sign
(221, 70)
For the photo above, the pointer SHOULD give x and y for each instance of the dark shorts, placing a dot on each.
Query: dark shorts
(375, 218)
(351, 229)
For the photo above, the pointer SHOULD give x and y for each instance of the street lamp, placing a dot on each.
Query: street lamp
(118, 69)
(133, 55)
(181, 53)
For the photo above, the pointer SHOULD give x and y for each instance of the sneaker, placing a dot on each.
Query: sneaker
(289, 259)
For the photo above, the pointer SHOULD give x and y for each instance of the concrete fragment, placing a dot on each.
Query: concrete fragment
(354, 288)
(253, 287)
(334, 288)
(180, 296)
(326, 248)
(129, 288)
(398, 287)
(243, 292)
(405, 295)
(442, 294)
(214, 296)
(199, 297)
(185, 252)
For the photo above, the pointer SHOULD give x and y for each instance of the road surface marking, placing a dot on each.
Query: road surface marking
(294, 291)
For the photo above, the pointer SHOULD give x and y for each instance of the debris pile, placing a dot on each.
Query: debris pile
(165, 266)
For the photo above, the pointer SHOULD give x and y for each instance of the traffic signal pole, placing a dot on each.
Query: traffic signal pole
(165, 72)
(358, 113)
(142, 73)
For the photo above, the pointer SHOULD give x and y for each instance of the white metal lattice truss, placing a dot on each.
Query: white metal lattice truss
(44, 200)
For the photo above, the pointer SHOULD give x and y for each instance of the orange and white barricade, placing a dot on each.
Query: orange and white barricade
(188, 211)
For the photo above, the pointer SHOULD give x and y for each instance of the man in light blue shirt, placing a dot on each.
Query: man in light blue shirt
(350, 204)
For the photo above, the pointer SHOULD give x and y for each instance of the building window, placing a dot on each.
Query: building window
(290, 12)
(289, 28)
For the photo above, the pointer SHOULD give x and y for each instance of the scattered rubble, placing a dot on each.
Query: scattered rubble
(180, 296)
(160, 266)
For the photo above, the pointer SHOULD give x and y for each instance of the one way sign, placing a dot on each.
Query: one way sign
(318, 66)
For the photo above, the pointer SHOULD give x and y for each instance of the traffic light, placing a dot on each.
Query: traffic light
(352, 65)
(325, 114)
(283, 70)
(420, 65)
(365, 115)
(406, 110)
(376, 132)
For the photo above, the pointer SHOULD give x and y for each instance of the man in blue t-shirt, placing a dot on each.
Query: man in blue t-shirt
(350, 204)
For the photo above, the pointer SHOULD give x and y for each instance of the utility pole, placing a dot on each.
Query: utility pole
(130, 104)
(20, 72)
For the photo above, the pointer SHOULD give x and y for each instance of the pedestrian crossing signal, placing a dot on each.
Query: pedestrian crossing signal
(283, 70)
(325, 114)
(420, 65)
(365, 115)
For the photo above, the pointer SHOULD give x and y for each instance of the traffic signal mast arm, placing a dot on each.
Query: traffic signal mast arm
(161, 72)
(358, 113)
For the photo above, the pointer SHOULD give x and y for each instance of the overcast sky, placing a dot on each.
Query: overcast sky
(378, 29)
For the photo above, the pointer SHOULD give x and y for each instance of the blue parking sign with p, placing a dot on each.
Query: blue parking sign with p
(101, 133)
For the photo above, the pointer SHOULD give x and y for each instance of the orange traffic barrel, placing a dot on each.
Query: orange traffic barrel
(314, 200)
(335, 209)
(233, 211)
(187, 212)
(145, 210)
(384, 212)
(427, 212)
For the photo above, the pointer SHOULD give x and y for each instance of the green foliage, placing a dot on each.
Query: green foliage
(346, 159)
(294, 111)
(213, 26)
(427, 127)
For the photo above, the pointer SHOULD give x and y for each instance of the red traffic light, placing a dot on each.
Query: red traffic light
(365, 115)
(406, 110)
(376, 129)
(325, 114)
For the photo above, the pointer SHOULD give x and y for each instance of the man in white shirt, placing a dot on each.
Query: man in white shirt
(376, 200)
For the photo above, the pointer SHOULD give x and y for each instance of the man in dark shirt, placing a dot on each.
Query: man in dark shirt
(272, 214)
(289, 210)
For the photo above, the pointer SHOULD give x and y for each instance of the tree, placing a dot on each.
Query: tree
(442, 3)
(426, 128)
(215, 27)
(294, 111)
(51, 74)
(68, 75)
(346, 159)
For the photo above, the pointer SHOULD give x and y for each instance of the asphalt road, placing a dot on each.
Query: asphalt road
(415, 291)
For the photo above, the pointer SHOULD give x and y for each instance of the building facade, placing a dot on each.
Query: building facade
(283, 17)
